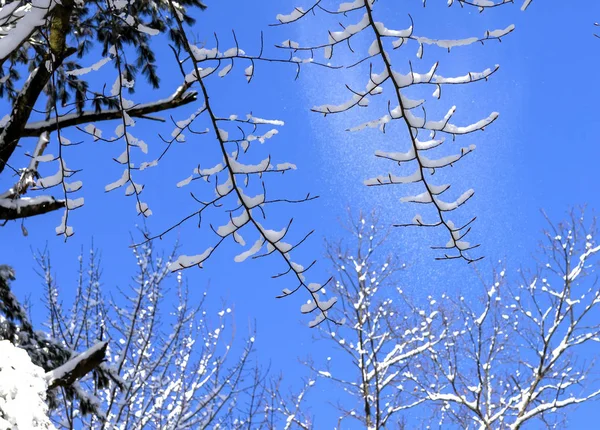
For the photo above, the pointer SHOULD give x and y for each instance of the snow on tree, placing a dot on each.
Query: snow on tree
(63, 366)
(422, 155)
(67, 92)
(177, 367)
(382, 331)
(288, 411)
(512, 361)
(526, 4)
(22, 391)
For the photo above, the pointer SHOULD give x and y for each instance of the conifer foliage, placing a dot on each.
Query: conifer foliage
(63, 365)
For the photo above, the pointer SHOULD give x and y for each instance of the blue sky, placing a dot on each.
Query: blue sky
(540, 154)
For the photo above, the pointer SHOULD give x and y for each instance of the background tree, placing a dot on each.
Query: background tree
(516, 359)
(511, 358)
(288, 410)
(177, 368)
(381, 333)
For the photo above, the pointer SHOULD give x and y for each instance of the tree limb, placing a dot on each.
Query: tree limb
(178, 98)
(28, 176)
(24, 207)
(77, 367)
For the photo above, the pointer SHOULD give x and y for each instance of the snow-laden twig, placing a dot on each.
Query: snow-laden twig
(232, 178)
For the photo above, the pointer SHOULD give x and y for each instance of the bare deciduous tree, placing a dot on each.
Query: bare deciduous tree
(177, 370)
(291, 410)
(381, 332)
(513, 360)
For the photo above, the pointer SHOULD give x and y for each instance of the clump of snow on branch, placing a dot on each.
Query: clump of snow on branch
(22, 391)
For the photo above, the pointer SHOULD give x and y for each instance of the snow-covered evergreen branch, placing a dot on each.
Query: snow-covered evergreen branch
(63, 366)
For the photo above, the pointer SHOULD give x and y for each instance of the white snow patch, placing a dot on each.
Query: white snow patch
(22, 391)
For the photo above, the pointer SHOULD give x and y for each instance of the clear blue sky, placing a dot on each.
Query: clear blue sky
(541, 153)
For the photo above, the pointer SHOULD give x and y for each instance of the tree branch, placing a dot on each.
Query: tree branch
(77, 367)
(179, 98)
(24, 207)
(30, 174)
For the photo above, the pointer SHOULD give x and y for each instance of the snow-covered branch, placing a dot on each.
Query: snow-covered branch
(234, 179)
(77, 367)
(401, 108)
(179, 98)
(25, 207)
